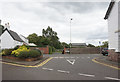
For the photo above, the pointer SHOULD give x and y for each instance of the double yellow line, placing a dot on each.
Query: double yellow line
(94, 60)
(41, 64)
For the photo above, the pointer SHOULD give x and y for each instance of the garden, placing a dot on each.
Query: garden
(22, 53)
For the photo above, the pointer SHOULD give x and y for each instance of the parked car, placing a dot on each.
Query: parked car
(105, 52)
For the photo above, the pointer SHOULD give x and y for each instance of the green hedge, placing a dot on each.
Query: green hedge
(51, 50)
(29, 54)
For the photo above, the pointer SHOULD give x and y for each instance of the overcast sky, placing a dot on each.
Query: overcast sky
(88, 24)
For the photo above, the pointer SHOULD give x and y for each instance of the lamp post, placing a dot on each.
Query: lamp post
(70, 34)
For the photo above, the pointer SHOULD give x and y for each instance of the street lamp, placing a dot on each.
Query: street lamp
(70, 33)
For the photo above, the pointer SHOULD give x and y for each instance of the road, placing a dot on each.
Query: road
(63, 67)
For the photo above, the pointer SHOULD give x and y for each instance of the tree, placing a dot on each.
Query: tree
(49, 33)
(51, 37)
(33, 38)
(105, 44)
(90, 45)
(65, 45)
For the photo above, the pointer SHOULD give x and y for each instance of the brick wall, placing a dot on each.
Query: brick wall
(84, 50)
(114, 56)
(44, 50)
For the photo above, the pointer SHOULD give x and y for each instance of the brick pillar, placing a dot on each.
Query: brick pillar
(64, 50)
(47, 50)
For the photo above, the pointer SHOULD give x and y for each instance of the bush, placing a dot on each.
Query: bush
(29, 54)
(23, 54)
(38, 51)
(34, 54)
(50, 50)
(7, 52)
(20, 49)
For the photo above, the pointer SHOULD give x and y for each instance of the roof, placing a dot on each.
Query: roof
(109, 9)
(32, 44)
(14, 35)
(23, 36)
(78, 44)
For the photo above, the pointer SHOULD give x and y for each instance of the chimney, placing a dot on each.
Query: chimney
(7, 26)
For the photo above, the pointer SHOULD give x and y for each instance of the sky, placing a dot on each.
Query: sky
(88, 24)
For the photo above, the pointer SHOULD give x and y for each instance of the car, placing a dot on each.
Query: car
(105, 51)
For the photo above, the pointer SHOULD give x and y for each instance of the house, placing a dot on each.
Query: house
(78, 45)
(9, 39)
(26, 42)
(113, 17)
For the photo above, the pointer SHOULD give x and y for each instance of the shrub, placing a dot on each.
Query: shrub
(53, 49)
(29, 54)
(20, 49)
(38, 51)
(7, 52)
(23, 54)
(34, 54)
(50, 50)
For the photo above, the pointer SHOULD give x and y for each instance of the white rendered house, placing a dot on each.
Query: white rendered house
(113, 17)
(9, 39)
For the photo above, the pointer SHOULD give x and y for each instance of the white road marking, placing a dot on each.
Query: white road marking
(112, 78)
(71, 61)
(47, 69)
(55, 57)
(61, 57)
(86, 75)
(88, 57)
(66, 57)
(63, 71)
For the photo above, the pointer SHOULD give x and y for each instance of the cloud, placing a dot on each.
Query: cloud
(87, 24)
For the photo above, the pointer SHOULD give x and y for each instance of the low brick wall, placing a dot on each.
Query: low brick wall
(44, 50)
(114, 56)
(84, 50)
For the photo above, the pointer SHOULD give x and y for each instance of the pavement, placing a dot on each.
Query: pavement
(63, 67)
(105, 60)
(26, 63)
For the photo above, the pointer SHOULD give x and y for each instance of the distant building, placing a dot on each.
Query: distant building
(78, 45)
(113, 17)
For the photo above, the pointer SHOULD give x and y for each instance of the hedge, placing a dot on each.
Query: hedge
(29, 54)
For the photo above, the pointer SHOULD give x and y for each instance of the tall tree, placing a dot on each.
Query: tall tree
(105, 44)
(33, 38)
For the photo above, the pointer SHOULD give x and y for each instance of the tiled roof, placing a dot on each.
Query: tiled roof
(14, 35)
